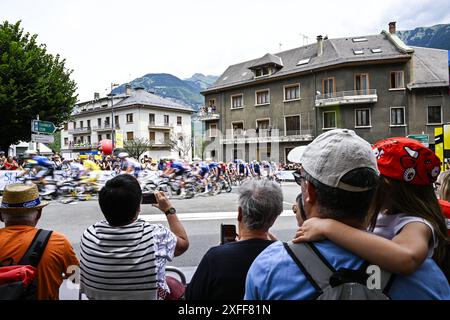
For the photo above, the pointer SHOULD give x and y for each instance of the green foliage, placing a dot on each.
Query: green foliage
(56, 145)
(32, 82)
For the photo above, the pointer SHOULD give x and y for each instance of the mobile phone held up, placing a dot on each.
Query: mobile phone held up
(149, 198)
(227, 233)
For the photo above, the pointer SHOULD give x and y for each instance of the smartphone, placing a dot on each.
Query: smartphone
(227, 233)
(149, 198)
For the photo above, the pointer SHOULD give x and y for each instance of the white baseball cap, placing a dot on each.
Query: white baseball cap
(335, 153)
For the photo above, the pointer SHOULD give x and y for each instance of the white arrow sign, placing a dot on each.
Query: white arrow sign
(42, 138)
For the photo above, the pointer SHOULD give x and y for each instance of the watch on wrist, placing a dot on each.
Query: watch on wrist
(170, 211)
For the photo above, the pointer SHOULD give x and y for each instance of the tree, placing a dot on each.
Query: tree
(136, 147)
(180, 145)
(56, 145)
(32, 82)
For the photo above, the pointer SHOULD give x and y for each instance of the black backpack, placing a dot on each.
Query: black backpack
(341, 284)
(19, 282)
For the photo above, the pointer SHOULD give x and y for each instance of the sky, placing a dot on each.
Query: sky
(111, 41)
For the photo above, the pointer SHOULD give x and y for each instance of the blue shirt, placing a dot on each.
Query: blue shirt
(275, 276)
(204, 168)
(44, 161)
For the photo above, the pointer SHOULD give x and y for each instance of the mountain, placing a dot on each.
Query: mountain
(185, 92)
(437, 36)
(202, 81)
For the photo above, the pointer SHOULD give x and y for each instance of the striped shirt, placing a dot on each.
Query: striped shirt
(126, 262)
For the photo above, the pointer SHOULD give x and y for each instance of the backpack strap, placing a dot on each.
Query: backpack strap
(313, 265)
(34, 252)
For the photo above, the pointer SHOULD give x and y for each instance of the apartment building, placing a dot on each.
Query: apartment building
(375, 85)
(136, 114)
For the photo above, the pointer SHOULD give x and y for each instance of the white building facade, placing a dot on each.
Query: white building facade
(137, 114)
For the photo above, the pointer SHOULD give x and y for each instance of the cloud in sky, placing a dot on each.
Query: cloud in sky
(108, 41)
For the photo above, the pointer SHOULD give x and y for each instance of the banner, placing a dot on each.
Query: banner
(119, 139)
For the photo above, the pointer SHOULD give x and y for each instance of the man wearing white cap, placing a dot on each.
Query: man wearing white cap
(20, 210)
(338, 177)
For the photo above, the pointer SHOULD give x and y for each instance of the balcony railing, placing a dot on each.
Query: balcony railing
(82, 130)
(106, 127)
(268, 136)
(347, 97)
(164, 126)
(205, 116)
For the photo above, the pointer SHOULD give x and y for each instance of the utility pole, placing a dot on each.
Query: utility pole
(112, 116)
(37, 143)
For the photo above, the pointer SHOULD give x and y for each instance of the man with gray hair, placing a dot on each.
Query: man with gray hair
(222, 271)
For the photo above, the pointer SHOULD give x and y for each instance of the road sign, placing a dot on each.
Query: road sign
(46, 127)
(423, 138)
(42, 138)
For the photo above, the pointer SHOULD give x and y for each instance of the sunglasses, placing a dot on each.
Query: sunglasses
(298, 177)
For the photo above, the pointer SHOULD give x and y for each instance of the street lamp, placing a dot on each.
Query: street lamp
(112, 115)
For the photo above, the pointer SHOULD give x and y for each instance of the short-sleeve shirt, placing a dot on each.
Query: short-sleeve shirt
(389, 225)
(57, 257)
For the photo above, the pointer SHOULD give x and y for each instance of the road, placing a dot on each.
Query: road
(201, 217)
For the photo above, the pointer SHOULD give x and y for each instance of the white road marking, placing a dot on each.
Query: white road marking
(202, 216)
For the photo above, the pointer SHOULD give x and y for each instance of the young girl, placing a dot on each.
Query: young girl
(406, 221)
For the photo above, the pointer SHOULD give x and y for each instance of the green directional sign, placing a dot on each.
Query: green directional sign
(424, 138)
(38, 126)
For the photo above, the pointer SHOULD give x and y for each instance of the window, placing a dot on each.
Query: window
(358, 51)
(99, 137)
(108, 136)
(292, 92)
(116, 120)
(81, 124)
(99, 122)
(179, 120)
(262, 127)
(376, 50)
(130, 135)
(264, 71)
(292, 125)
(329, 119)
(166, 137)
(397, 80)
(107, 121)
(359, 39)
(66, 126)
(166, 120)
(212, 102)
(213, 130)
(152, 136)
(361, 81)
(328, 86)
(66, 141)
(238, 128)
(262, 97)
(398, 116)
(434, 115)
(362, 118)
(129, 117)
(88, 139)
(151, 118)
(89, 123)
(236, 101)
(74, 125)
(303, 61)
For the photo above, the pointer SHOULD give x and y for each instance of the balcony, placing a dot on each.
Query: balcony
(105, 127)
(207, 116)
(160, 143)
(83, 130)
(82, 146)
(266, 136)
(163, 127)
(346, 97)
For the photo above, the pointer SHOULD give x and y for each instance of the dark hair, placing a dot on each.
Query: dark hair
(339, 204)
(120, 199)
(396, 196)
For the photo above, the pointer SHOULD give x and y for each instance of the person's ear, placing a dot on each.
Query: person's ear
(38, 216)
(311, 195)
(239, 214)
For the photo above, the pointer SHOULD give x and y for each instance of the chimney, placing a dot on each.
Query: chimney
(128, 89)
(319, 45)
(96, 95)
(392, 28)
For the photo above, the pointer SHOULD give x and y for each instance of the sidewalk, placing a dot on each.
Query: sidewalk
(68, 293)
